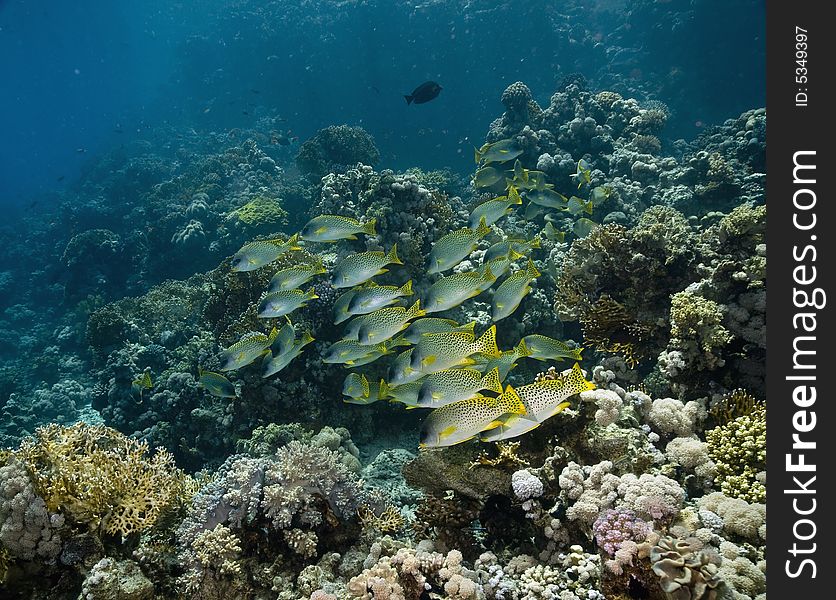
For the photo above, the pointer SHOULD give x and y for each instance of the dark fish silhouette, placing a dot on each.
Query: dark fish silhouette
(423, 93)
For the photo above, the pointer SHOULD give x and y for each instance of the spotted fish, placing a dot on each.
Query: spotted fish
(274, 363)
(372, 297)
(452, 248)
(493, 210)
(246, 350)
(293, 277)
(359, 268)
(284, 302)
(542, 400)
(511, 292)
(256, 254)
(331, 228)
(466, 419)
(452, 385)
(438, 351)
(546, 348)
(450, 291)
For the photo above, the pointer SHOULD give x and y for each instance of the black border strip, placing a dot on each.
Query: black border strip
(800, 233)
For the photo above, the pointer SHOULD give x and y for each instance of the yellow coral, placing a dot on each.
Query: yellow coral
(262, 212)
(97, 476)
(739, 449)
(507, 457)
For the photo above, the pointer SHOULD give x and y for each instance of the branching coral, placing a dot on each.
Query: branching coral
(100, 478)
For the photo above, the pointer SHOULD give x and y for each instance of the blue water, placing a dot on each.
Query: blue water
(81, 78)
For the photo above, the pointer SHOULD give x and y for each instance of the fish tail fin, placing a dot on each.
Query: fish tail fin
(511, 402)
(477, 155)
(393, 255)
(369, 227)
(535, 243)
(292, 241)
(383, 390)
(408, 98)
(514, 255)
(271, 337)
(311, 294)
(483, 228)
(468, 327)
(514, 195)
(577, 377)
(522, 349)
(306, 338)
(488, 274)
(486, 344)
(531, 270)
(491, 381)
(406, 289)
(415, 311)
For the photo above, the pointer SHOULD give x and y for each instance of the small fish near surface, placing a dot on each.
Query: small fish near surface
(542, 400)
(466, 419)
(332, 228)
(246, 350)
(359, 268)
(256, 254)
(423, 93)
(283, 302)
(216, 384)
